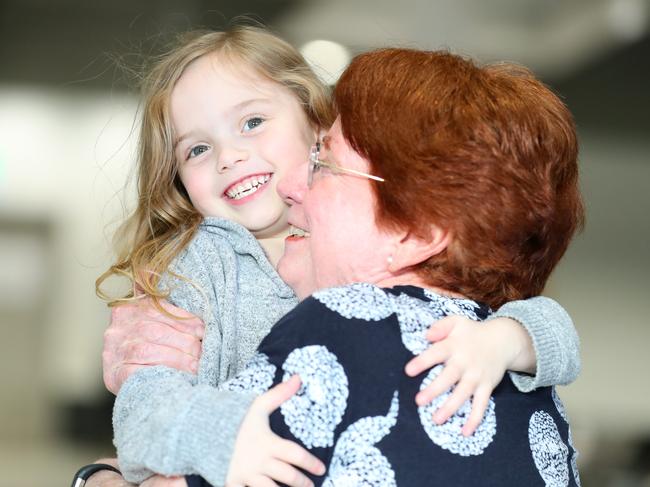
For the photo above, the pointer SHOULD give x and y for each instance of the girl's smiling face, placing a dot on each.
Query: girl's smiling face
(236, 134)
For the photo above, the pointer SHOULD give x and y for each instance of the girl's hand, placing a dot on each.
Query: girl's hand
(139, 335)
(476, 356)
(260, 456)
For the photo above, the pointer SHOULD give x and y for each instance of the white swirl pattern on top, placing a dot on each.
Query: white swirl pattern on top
(356, 461)
(574, 460)
(550, 454)
(315, 411)
(448, 435)
(558, 404)
(257, 377)
(574, 457)
(451, 306)
(415, 317)
(313, 414)
(361, 301)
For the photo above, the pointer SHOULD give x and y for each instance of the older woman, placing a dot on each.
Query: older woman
(456, 187)
(478, 201)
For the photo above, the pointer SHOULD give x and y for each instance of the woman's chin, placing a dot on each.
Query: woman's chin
(295, 272)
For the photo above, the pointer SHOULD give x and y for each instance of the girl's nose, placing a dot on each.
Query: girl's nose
(229, 157)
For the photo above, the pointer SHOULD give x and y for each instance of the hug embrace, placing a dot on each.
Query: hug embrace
(343, 290)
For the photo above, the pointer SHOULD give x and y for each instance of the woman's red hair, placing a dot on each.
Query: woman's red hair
(488, 153)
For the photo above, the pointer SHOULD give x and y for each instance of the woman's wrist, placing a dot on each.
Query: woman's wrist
(107, 478)
(99, 474)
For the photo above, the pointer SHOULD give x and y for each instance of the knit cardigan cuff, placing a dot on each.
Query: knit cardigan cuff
(554, 339)
(166, 424)
(215, 440)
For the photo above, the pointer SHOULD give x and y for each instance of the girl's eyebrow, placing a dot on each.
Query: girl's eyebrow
(243, 104)
(181, 139)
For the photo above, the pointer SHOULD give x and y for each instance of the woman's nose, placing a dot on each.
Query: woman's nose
(293, 185)
(230, 156)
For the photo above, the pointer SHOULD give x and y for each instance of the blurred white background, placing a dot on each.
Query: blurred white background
(67, 114)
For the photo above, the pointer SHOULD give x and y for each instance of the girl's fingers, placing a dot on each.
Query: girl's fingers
(286, 474)
(462, 393)
(292, 453)
(480, 402)
(440, 329)
(432, 356)
(274, 397)
(447, 378)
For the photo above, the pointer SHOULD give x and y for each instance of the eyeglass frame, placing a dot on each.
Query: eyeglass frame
(315, 162)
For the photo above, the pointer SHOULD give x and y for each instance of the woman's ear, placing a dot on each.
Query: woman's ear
(319, 132)
(414, 249)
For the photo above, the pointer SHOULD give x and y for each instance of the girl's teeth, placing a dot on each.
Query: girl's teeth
(247, 187)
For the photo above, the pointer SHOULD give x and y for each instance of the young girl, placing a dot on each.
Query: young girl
(225, 115)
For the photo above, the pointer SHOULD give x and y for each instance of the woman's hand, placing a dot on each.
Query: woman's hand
(108, 479)
(260, 456)
(112, 479)
(476, 356)
(160, 481)
(139, 335)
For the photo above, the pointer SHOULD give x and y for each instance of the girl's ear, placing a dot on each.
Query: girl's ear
(414, 249)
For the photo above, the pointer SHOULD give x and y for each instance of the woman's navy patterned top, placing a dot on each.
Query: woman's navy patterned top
(356, 407)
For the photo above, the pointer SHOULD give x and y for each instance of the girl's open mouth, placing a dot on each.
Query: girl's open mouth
(246, 187)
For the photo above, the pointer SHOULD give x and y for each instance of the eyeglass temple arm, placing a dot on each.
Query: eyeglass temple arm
(352, 171)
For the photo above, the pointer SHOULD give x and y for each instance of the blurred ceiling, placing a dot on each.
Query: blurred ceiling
(64, 42)
(555, 37)
(573, 44)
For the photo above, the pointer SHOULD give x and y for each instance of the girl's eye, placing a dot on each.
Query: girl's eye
(197, 150)
(252, 123)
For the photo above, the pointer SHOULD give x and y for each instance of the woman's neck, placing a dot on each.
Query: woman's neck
(410, 278)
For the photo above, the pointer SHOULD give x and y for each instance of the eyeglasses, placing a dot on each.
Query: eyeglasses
(315, 164)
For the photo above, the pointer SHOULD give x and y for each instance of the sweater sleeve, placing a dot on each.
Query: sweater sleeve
(166, 423)
(555, 339)
(173, 423)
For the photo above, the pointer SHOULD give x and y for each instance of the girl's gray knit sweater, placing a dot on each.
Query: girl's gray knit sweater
(174, 423)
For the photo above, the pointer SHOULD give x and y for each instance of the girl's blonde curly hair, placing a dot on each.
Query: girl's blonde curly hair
(164, 220)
